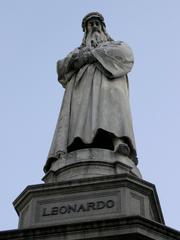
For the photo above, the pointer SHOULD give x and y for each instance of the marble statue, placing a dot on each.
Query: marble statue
(95, 111)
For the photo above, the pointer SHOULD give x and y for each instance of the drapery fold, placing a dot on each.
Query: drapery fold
(96, 97)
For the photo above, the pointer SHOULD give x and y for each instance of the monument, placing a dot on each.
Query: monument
(95, 118)
(92, 187)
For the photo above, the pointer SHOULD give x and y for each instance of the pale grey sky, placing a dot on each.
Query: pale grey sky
(34, 34)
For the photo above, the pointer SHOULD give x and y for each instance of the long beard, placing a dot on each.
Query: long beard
(94, 38)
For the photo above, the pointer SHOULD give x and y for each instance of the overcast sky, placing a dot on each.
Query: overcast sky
(34, 34)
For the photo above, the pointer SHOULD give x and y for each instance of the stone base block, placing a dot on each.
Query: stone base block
(85, 200)
(126, 228)
(86, 163)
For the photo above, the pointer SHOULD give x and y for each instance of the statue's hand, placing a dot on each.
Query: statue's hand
(73, 58)
(82, 59)
(84, 50)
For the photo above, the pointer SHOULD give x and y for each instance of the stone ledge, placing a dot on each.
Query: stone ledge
(134, 228)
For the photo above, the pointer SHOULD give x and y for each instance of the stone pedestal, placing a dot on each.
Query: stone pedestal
(115, 207)
(87, 200)
(90, 194)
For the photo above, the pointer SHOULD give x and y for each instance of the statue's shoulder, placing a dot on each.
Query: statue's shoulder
(118, 48)
(74, 51)
(117, 42)
(111, 43)
(123, 45)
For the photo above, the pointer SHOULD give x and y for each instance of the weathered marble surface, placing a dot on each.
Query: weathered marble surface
(95, 111)
(87, 199)
(92, 162)
(135, 227)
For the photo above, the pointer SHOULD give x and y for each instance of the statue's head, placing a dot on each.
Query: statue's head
(93, 16)
(94, 29)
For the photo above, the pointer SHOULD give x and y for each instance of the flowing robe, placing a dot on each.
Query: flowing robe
(96, 97)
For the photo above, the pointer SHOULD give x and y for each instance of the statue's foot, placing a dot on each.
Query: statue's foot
(60, 154)
(121, 147)
(124, 149)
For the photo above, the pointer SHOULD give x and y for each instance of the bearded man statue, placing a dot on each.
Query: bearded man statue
(95, 112)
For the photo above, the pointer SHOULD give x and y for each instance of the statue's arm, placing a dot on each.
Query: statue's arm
(73, 63)
(82, 57)
(65, 68)
(114, 59)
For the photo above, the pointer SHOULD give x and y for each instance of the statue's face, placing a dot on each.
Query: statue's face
(94, 32)
(94, 25)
